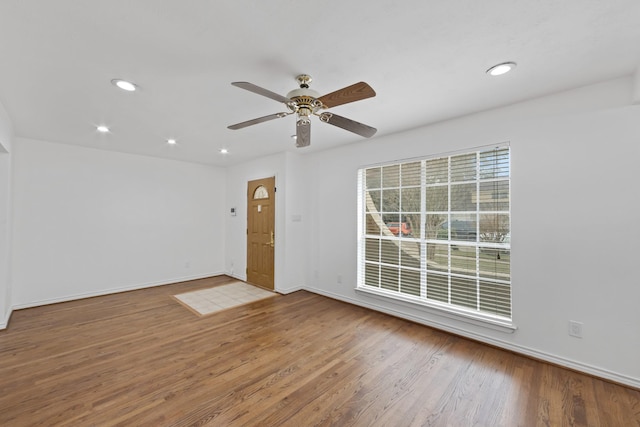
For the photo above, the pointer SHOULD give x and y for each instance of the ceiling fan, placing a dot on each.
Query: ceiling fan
(305, 102)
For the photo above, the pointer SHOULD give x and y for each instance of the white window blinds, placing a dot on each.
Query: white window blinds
(437, 231)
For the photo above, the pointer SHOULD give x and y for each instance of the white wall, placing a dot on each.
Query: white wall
(290, 241)
(89, 222)
(296, 221)
(6, 136)
(574, 223)
(636, 88)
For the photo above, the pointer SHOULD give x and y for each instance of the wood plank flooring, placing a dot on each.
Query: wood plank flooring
(142, 359)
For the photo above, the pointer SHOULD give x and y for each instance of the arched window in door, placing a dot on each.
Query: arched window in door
(260, 193)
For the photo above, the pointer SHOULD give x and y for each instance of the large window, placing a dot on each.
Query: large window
(437, 231)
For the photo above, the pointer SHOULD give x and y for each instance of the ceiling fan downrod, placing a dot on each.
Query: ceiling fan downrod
(304, 80)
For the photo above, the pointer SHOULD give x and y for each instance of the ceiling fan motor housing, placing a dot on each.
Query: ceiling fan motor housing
(305, 101)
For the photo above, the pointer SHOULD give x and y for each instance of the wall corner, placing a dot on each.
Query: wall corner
(636, 87)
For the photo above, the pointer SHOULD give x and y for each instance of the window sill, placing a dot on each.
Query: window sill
(448, 312)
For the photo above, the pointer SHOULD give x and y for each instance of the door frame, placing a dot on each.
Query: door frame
(266, 276)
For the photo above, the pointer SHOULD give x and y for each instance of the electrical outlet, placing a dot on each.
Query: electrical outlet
(575, 329)
(339, 278)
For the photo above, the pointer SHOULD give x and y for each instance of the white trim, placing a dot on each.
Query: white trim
(536, 354)
(533, 353)
(285, 291)
(5, 322)
(242, 278)
(113, 291)
(444, 311)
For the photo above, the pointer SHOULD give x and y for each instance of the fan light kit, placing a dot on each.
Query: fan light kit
(500, 69)
(102, 129)
(305, 102)
(172, 141)
(124, 85)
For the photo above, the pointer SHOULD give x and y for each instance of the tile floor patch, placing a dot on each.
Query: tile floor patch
(218, 298)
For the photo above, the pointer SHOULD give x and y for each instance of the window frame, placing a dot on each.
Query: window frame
(447, 309)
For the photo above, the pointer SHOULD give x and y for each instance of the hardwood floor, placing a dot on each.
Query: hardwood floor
(142, 359)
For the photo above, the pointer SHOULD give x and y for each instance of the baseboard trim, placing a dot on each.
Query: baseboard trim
(526, 351)
(285, 291)
(5, 322)
(237, 277)
(114, 290)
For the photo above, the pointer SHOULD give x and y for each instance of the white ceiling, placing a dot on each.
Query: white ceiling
(426, 59)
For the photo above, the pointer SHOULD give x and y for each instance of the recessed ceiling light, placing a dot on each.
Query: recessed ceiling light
(500, 69)
(124, 85)
(102, 129)
(172, 141)
(224, 151)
